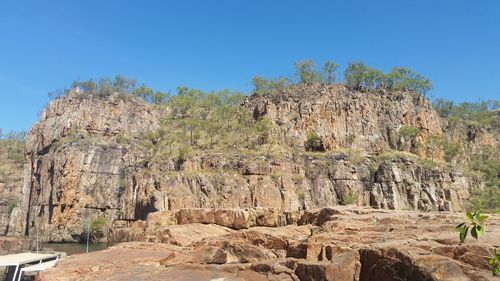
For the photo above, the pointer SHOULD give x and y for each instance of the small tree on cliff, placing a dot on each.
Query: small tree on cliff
(358, 76)
(305, 72)
(405, 79)
(264, 86)
(433, 144)
(329, 72)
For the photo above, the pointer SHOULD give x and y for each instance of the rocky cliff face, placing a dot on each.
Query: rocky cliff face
(336, 114)
(74, 161)
(86, 160)
(11, 177)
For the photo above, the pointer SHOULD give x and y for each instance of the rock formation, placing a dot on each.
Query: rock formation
(335, 113)
(335, 244)
(85, 159)
(11, 177)
(244, 214)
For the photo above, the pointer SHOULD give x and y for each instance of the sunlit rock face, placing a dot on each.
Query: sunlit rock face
(86, 159)
(337, 114)
(337, 243)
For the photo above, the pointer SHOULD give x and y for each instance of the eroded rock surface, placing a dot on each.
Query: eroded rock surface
(334, 112)
(340, 243)
(86, 159)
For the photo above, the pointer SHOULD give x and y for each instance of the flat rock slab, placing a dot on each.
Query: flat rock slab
(340, 243)
(118, 263)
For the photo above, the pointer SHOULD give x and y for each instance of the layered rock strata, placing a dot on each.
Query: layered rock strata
(86, 160)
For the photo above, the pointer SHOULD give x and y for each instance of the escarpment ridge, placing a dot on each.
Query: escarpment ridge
(91, 157)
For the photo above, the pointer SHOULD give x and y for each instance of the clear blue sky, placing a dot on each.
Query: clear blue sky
(44, 45)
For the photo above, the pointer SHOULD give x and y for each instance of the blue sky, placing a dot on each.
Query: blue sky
(44, 45)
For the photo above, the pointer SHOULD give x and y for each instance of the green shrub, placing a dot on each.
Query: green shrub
(12, 206)
(183, 154)
(405, 79)
(408, 131)
(473, 114)
(356, 156)
(358, 76)
(451, 150)
(351, 197)
(261, 130)
(267, 87)
(494, 262)
(314, 143)
(329, 72)
(305, 72)
(95, 228)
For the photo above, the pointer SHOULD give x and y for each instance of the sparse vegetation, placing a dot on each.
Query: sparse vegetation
(95, 228)
(468, 119)
(305, 72)
(359, 76)
(351, 197)
(329, 72)
(494, 262)
(473, 114)
(265, 87)
(433, 144)
(314, 143)
(12, 145)
(12, 206)
(408, 131)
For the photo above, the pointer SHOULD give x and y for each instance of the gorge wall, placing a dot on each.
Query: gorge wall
(86, 159)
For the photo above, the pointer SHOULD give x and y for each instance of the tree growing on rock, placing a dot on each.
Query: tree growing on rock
(267, 87)
(405, 79)
(305, 72)
(358, 76)
(329, 72)
(433, 143)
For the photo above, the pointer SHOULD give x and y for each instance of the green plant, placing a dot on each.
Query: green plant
(305, 72)
(183, 154)
(123, 185)
(451, 150)
(12, 205)
(474, 223)
(356, 156)
(433, 144)
(494, 262)
(266, 87)
(351, 197)
(301, 194)
(408, 131)
(95, 228)
(314, 143)
(329, 72)
(405, 79)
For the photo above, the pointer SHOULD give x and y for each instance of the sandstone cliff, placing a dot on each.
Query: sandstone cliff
(74, 162)
(11, 176)
(86, 159)
(334, 112)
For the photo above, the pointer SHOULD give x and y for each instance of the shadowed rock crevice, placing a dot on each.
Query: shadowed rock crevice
(389, 265)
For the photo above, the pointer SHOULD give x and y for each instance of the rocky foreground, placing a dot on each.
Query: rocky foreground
(339, 243)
